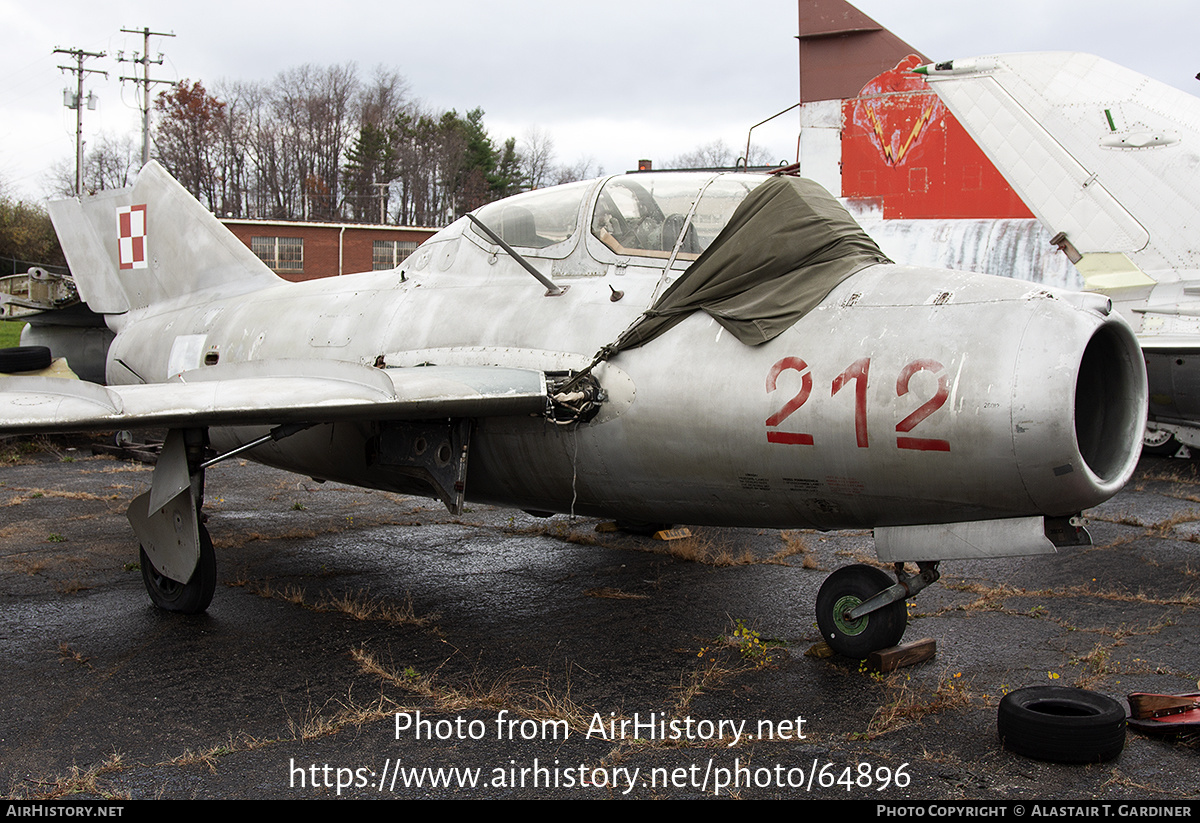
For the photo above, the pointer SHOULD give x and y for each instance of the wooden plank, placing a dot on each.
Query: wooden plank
(906, 654)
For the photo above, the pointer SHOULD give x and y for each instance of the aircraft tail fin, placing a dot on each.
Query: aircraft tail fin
(1098, 152)
(135, 247)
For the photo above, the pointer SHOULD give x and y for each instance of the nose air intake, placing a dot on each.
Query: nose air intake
(1110, 405)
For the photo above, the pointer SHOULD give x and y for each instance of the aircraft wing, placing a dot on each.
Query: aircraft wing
(270, 393)
(1079, 138)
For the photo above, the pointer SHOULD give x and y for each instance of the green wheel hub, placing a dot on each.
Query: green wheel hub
(841, 619)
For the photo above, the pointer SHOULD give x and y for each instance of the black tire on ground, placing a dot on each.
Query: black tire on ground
(1159, 443)
(25, 358)
(1061, 724)
(192, 597)
(843, 590)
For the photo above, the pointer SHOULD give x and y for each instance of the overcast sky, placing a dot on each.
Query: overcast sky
(611, 81)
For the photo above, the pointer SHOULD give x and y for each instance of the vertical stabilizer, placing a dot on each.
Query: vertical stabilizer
(1102, 154)
(149, 243)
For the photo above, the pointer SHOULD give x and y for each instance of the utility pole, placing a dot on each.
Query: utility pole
(77, 103)
(384, 191)
(144, 81)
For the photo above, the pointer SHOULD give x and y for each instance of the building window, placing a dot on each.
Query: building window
(387, 254)
(280, 253)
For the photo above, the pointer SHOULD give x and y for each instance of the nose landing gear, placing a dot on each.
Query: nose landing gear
(860, 610)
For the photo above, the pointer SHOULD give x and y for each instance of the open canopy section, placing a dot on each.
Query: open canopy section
(786, 246)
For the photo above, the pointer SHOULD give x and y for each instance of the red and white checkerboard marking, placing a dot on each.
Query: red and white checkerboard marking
(131, 237)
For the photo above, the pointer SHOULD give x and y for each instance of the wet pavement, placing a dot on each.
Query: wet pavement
(361, 643)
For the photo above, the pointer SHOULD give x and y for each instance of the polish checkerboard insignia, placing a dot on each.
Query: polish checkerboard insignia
(131, 237)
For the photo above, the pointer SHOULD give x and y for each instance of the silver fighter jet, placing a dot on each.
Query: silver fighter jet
(720, 349)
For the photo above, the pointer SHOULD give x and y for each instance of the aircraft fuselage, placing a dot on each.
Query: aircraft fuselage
(878, 408)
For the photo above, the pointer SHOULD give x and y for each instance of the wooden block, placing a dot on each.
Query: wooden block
(672, 534)
(819, 650)
(906, 654)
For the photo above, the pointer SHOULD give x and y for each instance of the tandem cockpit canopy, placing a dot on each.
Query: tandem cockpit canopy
(759, 251)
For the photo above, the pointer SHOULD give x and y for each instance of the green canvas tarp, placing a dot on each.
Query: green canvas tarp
(787, 245)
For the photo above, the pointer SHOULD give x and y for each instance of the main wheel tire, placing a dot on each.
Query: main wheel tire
(191, 597)
(842, 591)
(1159, 443)
(25, 358)
(1061, 724)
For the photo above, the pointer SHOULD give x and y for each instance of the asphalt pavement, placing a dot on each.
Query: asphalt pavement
(368, 645)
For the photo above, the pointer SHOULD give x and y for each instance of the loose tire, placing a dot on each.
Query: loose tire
(1061, 725)
(191, 597)
(24, 358)
(842, 591)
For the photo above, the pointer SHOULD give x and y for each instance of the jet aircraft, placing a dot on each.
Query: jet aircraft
(711, 349)
(1109, 161)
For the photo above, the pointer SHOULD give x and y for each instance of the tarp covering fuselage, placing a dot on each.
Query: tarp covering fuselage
(787, 245)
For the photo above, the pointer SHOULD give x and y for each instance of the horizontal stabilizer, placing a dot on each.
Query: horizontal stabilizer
(270, 393)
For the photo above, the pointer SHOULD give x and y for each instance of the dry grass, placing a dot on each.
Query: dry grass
(76, 781)
(68, 655)
(71, 586)
(535, 703)
(30, 564)
(907, 706)
(991, 597)
(359, 605)
(24, 495)
(1095, 666)
(609, 593)
(208, 757)
(557, 529)
(321, 722)
(701, 548)
(1163, 527)
(794, 543)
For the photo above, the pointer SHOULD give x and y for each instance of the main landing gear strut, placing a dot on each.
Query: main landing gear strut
(860, 610)
(179, 566)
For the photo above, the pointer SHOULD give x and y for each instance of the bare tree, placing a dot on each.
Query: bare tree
(314, 108)
(716, 155)
(235, 167)
(111, 163)
(584, 168)
(317, 143)
(537, 157)
(385, 97)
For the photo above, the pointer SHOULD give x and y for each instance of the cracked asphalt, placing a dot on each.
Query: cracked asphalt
(522, 643)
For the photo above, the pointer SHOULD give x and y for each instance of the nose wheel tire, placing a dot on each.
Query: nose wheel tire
(847, 588)
(191, 597)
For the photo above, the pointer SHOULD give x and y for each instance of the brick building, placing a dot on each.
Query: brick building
(304, 251)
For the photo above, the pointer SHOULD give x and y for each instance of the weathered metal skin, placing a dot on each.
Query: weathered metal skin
(951, 412)
(1031, 397)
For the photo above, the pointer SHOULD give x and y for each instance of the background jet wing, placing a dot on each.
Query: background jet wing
(270, 393)
(1097, 151)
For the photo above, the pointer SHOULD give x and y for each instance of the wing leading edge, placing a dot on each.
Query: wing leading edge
(270, 393)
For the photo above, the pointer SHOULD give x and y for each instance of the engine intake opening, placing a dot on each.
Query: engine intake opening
(1110, 404)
